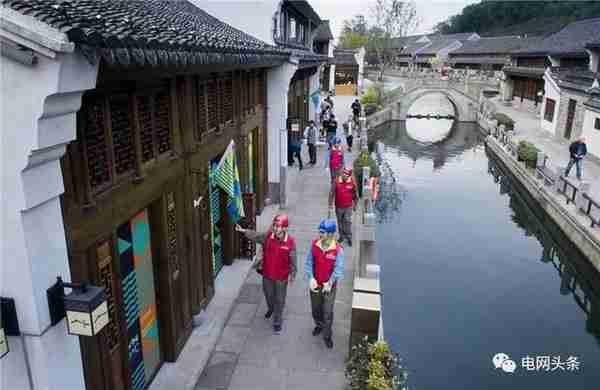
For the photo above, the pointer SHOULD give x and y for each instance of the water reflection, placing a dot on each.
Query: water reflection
(430, 130)
(460, 139)
(391, 193)
(578, 277)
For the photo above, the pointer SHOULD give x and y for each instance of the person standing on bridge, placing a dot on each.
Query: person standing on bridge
(323, 268)
(279, 264)
(344, 196)
(577, 151)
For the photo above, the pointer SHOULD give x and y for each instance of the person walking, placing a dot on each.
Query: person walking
(335, 158)
(356, 108)
(310, 133)
(323, 268)
(348, 129)
(279, 264)
(297, 151)
(331, 129)
(577, 151)
(344, 196)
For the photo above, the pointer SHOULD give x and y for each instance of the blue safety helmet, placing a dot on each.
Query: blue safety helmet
(327, 226)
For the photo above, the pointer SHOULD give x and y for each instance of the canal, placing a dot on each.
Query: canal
(471, 267)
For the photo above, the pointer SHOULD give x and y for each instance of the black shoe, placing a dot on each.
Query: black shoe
(317, 330)
(340, 240)
(329, 343)
(349, 242)
(268, 314)
(276, 328)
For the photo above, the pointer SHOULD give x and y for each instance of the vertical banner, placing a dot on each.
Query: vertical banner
(139, 298)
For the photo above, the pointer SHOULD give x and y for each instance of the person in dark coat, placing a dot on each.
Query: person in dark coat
(577, 151)
(331, 129)
(296, 149)
(279, 264)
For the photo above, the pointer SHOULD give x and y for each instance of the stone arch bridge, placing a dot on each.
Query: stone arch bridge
(465, 106)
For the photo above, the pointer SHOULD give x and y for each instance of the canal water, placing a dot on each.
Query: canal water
(471, 267)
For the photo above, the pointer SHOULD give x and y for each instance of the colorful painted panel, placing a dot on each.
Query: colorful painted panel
(139, 298)
(215, 217)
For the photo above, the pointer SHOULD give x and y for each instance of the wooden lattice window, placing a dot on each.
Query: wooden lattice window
(172, 235)
(122, 134)
(95, 144)
(144, 110)
(202, 115)
(212, 104)
(227, 101)
(108, 281)
(162, 115)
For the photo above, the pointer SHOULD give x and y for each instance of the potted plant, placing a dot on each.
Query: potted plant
(364, 159)
(527, 152)
(503, 119)
(373, 366)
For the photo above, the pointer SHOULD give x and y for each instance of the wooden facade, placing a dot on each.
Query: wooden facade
(137, 206)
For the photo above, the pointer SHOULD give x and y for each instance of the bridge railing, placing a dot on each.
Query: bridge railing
(577, 193)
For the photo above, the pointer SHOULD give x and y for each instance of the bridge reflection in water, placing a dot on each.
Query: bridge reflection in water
(578, 276)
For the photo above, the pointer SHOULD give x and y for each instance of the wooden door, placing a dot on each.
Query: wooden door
(570, 118)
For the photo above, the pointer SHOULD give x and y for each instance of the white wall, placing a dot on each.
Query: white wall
(278, 85)
(552, 92)
(38, 106)
(254, 17)
(594, 59)
(592, 136)
(314, 86)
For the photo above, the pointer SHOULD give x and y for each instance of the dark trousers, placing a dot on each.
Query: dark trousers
(322, 310)
(577, 163)
(299, 157)
(312, 152)
(344, 220)
(349, 140)
(275, 293)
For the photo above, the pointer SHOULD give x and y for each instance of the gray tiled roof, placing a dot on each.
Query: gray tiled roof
(575, 79)
(344, 57)
(323, 32)
(571, 39)
(464, 59)
(148, 32)
(492, 45)
(437, 44)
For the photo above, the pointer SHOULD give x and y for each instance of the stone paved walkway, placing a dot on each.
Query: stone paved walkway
(528, 128)
(248, 355)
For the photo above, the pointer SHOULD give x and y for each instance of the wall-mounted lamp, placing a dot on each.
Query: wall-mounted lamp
(85, 307)
(9, 325)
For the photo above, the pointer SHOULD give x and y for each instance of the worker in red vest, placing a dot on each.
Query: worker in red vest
(345, 197)
(279, 264)
(335, 158)
(324, 267)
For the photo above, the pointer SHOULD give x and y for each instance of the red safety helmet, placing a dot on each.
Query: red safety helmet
(281, 220)
(347, 171)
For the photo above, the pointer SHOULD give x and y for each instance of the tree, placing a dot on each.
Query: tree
(358, 24)
(391, 19)
(352, 40)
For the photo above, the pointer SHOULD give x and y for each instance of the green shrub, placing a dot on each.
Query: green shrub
(373, 366)
(505, 120)
(364, 159)
(526, 151)
(374, 97)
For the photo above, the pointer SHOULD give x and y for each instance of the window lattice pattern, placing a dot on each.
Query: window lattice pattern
(122, 134)
(201, 102)
(107, 280)
(163, 124)
(227, 102)
(146, 130)
(172, 233)
(213, 105)
(98, 163)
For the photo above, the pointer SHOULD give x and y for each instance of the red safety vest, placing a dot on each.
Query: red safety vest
(344, 193)
(324, 260)
(276, 257)
(336, 159)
